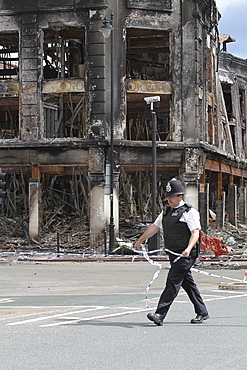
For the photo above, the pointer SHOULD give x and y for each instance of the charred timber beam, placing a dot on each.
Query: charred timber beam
(61, 170)
(9, 102)
(8, 72)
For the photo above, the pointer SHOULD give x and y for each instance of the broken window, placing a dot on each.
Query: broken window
(232, 131)
(244, 139)
(228, 100)
(9, 69)
(242, 100)
(229, 109)
(242, 106)
(148, 54)
(64, 85)
(211, 129)
(139, 121)
(147, 73)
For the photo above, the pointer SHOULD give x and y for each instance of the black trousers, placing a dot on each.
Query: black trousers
(180, 275)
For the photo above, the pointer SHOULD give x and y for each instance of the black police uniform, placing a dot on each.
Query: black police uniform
(176, 236)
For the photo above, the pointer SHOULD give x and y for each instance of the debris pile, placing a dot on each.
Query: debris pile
(72, 235)
(234, 237)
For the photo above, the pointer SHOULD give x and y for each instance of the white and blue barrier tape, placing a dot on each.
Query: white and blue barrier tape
(154, 263)
(156, 274)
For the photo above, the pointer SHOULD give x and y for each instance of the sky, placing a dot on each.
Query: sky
(233, 22)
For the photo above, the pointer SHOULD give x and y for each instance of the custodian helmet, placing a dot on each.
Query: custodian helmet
(174, 187)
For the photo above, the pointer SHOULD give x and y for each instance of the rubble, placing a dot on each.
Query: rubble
(71, 235)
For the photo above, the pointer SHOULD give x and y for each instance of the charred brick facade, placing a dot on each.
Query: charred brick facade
(55, 105)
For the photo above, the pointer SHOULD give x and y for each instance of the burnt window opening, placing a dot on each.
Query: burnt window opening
(9, 56)
(64, 115)
(64, 83)
(228, 101)
(147, 73)
(148, 54)
(139, 121)
(64, 53)
(242, 104)
(232, 131)
(211, 129)
(9, 70)
(242, 107)
(244, 139)
(229, 109)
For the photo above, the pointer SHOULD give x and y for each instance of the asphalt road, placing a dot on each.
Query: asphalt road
(92, 315)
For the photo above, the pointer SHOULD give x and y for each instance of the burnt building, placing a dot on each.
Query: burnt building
(73, 102)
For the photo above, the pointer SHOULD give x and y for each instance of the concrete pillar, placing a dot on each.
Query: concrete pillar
(242, 204)
(100, 212)
(232, 204)
(204, 207)
(220, 210)
(34, 208)
(191, 195)
(191, 175)
(97, 217)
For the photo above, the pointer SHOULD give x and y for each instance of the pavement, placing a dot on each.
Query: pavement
(92, 315)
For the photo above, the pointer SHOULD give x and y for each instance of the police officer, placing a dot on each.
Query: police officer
(180, 223)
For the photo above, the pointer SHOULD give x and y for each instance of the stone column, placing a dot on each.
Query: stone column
(97, 78)
(204, 207)
(34, 208)
(232, 204)
(242, 204)
(30, 70)
(220, 210)
(191, 175)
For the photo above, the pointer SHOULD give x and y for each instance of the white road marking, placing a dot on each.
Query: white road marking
(127, 310)
(54, 316)
(94, 318)
(229, 297)
(7, 300)
(227, 291)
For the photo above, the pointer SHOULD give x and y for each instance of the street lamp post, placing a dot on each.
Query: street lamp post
(153, 242)
(107, 30)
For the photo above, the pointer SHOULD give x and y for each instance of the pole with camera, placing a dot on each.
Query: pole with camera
(154, 241)
(107, 29)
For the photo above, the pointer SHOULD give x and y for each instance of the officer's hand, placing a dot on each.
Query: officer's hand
(186, 253)
(137, 245)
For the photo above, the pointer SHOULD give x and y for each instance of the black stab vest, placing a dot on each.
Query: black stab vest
(176, 233)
